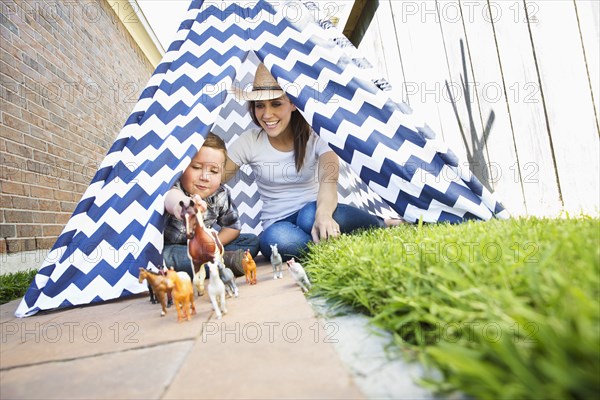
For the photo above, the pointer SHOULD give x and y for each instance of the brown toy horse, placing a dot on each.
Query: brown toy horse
(203, 243)
(160, 285)
(183, 294)
(249, 268)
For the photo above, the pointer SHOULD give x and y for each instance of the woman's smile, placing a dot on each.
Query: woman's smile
(270, 124)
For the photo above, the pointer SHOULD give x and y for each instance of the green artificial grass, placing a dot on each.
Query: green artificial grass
(14, 285)
(504, 309)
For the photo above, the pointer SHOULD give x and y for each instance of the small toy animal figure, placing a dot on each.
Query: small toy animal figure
(203, 243)
(162, 272)
(183, 294)
(160, 286)
(216, 290)
(299, 274)
(249, 267)
(228, 279)
(155, 271)
(276, 262)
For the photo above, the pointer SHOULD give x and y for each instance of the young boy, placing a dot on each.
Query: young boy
(203, 178)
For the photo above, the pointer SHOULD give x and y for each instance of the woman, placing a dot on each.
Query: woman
(296, 174)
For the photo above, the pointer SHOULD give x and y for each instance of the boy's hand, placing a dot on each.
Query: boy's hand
(176, 197)
(202, 206)
(191, 206)
(179, 210)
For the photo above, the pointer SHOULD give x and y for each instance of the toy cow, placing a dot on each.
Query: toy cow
(299, 275)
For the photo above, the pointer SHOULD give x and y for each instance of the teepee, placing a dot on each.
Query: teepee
(391, 161)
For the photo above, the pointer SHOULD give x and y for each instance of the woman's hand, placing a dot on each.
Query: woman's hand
(324, 228)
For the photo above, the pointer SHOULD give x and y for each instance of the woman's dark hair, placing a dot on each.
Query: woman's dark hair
(301, 130)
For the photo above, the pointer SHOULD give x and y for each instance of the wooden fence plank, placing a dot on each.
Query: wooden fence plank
(390, 52)
(371, 47)
(588, 12)
(461, 84)
(488, 86)
(425, 69)
(536, 166)
(568, 101)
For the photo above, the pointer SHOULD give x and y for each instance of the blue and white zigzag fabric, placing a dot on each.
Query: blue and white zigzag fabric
(117, 226)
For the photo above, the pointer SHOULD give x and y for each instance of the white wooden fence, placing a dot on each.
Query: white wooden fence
(520, 80)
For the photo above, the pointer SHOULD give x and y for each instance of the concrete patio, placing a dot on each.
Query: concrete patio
(272, 344)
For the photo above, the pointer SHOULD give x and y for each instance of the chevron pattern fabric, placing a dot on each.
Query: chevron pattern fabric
(391, 163)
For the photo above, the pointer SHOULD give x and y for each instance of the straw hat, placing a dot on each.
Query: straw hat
(264, 87)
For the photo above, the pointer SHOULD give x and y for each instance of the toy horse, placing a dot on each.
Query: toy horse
(183, 294)
(228, 279)
(162, 272)
(203, 243)
(276, 262)
(160, 286)
(155, 271)
(249, 268)
(299, 274)
(216, 290)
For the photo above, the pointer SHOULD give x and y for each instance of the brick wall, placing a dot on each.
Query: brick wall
(70, 74)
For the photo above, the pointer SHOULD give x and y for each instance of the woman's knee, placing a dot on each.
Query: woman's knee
(351, 218)
(306, 216)
(286, 249)
(290, 239)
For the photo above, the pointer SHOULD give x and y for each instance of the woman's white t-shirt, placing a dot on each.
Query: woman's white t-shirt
(282, 189)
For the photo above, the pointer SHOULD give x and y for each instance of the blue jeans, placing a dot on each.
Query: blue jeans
(292, 234)
(176, 255)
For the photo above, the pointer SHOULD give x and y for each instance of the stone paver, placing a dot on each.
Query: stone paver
(269, 345)
(93, 330)
(142, 373)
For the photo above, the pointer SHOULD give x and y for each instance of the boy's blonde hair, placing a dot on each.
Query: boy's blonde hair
(215, 142)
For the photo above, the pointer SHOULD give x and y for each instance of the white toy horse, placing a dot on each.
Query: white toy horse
(216, 290)
(276, 262)
(299, 275)
(228, 279)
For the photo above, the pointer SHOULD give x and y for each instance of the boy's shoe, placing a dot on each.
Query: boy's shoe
(233, 261)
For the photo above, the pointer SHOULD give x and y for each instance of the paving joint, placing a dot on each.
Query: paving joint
(95, 355)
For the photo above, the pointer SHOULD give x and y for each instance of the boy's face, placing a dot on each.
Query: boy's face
(203, 175)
